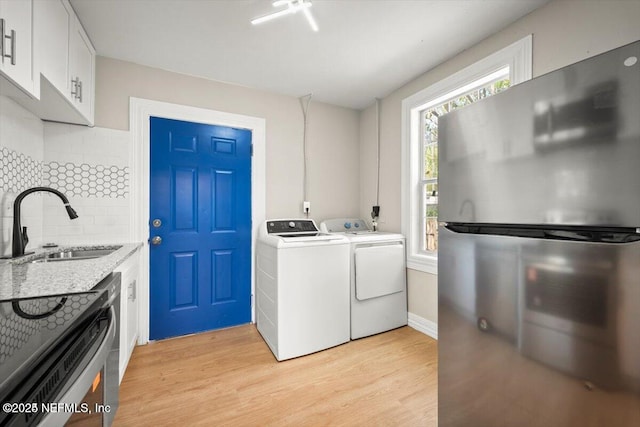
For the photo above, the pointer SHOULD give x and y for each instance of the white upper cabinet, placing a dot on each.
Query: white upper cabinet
(65, 58)
(53, 21)
(82, 70)
(16, 44)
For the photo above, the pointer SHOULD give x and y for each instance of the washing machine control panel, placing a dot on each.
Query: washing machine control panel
(291, 226)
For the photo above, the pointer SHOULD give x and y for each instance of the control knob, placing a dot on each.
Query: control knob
(292, 224)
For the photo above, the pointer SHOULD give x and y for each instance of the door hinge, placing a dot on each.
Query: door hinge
(251, 150)
(252, 300)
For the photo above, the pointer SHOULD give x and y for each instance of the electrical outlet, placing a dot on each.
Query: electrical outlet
(8, 204)
(306, 207)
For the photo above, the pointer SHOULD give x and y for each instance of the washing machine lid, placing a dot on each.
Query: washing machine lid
(298, 235)
(302, 237)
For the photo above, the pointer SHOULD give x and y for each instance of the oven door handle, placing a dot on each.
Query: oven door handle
(113, 323)
(77, 391)
(112, 300)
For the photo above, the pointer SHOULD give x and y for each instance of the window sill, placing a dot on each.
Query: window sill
(424, 263)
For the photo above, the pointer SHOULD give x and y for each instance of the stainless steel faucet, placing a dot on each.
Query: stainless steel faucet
(20, 238)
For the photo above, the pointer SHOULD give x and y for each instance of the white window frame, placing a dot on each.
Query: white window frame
(518, 56)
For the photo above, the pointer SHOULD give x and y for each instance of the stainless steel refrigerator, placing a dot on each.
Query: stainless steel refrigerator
(539, 251)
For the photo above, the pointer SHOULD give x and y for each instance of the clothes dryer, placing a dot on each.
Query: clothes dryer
(377, 276)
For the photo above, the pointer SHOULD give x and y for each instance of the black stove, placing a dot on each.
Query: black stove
(42, 336)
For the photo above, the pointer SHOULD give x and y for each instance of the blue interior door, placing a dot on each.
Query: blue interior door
(200, 227)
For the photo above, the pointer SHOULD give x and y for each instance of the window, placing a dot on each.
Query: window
(460, 97)
(420, 114)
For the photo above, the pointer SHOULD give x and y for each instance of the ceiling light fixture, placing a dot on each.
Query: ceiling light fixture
(293, 6)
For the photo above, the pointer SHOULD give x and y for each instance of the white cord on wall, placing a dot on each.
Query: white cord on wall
(378, 152)
(375, 212)
(305, 109)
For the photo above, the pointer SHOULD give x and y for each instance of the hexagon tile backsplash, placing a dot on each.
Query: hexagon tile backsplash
(19, 172)
(87, 180)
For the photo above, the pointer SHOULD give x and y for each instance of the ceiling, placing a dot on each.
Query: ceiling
(363, 50)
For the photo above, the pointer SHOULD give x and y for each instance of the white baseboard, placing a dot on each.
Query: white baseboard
(423, 325)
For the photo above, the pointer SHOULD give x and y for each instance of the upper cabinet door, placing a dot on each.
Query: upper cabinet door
(16, 62)
(82, 70)
(52, 22)
(59, 50)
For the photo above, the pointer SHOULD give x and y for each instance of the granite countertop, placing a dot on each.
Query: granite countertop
(21, 278)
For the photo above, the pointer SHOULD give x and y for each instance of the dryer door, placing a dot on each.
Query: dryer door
(380, 270)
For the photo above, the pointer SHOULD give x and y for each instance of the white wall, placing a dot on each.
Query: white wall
(564, 32)
(332, 136)
(21, 155)
(91, 167)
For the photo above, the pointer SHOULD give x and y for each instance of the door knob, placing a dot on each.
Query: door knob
(156, 240)
(156, 223)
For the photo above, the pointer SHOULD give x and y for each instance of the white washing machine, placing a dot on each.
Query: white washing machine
(302, 288)
(378, 276)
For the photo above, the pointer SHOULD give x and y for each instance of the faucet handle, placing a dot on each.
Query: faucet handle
(25, 237)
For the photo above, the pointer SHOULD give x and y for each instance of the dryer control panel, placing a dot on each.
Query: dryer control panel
(291, 226)
(344, 225)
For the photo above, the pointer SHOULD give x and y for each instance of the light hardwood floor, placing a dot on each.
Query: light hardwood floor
(230, 378)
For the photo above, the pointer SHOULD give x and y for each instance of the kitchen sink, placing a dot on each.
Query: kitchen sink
(76, 254)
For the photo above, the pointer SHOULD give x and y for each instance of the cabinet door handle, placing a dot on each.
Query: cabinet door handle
(3, 46)
(13, 47)
(74, 88)
(132, 290)
(2, 40)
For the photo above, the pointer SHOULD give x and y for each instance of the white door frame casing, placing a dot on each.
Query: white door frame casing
(140, 111)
